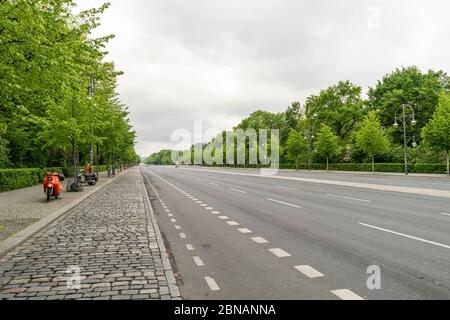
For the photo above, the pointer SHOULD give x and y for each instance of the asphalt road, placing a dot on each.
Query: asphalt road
(242, 237)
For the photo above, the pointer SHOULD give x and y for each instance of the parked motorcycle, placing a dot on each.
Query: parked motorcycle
(89, 178)
(52, 184)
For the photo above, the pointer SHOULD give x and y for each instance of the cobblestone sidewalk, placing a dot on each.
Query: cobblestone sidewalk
(110, 239)
(23, 207)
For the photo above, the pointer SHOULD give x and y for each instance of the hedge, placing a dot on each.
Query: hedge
(12, 179)
(379, 167)
(362, 167)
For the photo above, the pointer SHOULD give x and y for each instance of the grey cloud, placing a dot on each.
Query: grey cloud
(218, 61)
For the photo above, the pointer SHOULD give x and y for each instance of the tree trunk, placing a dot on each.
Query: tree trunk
(373, 164)
(327, 164)
(448, 163)
(98, 160)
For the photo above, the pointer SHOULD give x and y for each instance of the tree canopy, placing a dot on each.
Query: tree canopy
(339, 106)
(437, 132)
(327, 143)
(371, 138)
(47, 62)
(408, 86)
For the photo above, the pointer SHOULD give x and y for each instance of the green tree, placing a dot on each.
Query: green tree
(327, 143)
(407, 86)
(371, 138)
(47, 56)
(339, 106)
(437, 132)
(295, 147)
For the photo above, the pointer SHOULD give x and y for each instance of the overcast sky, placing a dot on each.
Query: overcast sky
(218, 61)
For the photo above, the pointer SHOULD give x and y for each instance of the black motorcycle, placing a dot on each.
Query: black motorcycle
(90, 178)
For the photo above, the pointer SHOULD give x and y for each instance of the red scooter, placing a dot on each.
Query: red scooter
(52, 185)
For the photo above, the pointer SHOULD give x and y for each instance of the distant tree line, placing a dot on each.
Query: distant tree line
(57, 94)
(339, 125)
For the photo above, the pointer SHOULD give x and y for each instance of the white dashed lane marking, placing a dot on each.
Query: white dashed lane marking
(215, 212)
(177, 227)
(182, 235)
(214, 184)
(209, 208)
(198, 261)
(260, 240)
(173, 220)
(190, 247)
(245, 230)
(224, 218)
(406, 236)
(280, 253)
(309, 271)
(237, 190)
(348, 198)
(285, 203)
(212, 284)
(346, 294)
(233, 223)
(445, 214)
(170, 215)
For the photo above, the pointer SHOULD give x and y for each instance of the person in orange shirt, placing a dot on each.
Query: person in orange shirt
(88, 168)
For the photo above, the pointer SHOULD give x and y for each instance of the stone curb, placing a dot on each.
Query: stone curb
(18, 238)
(173, 287)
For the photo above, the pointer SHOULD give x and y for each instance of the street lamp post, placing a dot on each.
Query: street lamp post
(310, 137)
(407, 113)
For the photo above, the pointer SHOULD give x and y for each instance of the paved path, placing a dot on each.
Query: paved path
(110, 237)
(23, 207)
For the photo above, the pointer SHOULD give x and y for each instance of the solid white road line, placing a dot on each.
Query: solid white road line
(233, 223)
(260, 240)
(406, 236)
(237, 190)
(190, 247)
(178, 227)
(245, 231)
(346, 294)
(348, 198)
(223, 218)
(285, 203)
(198, 261)
(182, 235)
(445, 214)
(280, 253)
(212, 284)
(309, 271)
